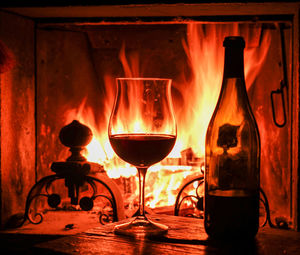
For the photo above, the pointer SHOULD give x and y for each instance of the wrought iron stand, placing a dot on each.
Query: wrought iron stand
(75, 171)
(196, 203)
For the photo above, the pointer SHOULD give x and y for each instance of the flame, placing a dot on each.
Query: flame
(205, 54)
(205, 59)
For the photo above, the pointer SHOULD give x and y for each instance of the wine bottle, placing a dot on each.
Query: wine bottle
(232, 155)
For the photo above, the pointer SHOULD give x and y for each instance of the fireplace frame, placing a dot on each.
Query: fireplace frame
(34, 16)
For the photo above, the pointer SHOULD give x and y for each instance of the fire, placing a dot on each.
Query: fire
(205, 53)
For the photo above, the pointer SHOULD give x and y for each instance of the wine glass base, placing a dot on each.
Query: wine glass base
(141, 227)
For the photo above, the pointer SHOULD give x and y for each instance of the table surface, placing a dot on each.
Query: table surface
(185, 236)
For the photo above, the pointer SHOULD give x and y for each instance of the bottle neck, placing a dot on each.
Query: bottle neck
(234, 63)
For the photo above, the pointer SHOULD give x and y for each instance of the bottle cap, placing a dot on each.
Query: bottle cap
(234, 41)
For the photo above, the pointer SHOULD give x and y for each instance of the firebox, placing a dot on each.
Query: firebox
(60, 64)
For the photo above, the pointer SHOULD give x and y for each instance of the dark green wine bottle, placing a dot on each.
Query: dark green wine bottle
(232, 155)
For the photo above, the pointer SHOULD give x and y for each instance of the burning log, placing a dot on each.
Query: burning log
(187, 156)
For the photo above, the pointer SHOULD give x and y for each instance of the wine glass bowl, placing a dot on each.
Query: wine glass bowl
(142, 132)
(142, 150)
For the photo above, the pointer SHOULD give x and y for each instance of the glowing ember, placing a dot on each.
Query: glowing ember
(204, 50)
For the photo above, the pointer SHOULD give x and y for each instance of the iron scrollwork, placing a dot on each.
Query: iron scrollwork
(195, 200)
(37, 191)
(195, 205)
(65, 171)
(75, 172)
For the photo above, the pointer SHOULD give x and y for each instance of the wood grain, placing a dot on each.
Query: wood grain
(185, 236)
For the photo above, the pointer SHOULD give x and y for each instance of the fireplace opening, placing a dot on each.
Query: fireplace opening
(75, 64)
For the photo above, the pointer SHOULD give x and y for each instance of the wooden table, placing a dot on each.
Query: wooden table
(186, 236)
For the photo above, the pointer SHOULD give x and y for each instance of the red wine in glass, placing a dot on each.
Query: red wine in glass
(142, 149)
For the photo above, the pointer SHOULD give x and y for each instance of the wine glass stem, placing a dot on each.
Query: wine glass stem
(142, 175)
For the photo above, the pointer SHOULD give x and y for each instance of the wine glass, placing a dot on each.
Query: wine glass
(142, 131)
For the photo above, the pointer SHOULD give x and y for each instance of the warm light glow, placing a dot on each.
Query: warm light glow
(204, 49)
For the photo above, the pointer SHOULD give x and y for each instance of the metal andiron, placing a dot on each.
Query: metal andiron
(188, 205)
(76, 172)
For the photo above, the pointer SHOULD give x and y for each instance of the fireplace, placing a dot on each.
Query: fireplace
(65, 59)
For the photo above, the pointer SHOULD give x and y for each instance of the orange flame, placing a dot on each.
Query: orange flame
(203, 47)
